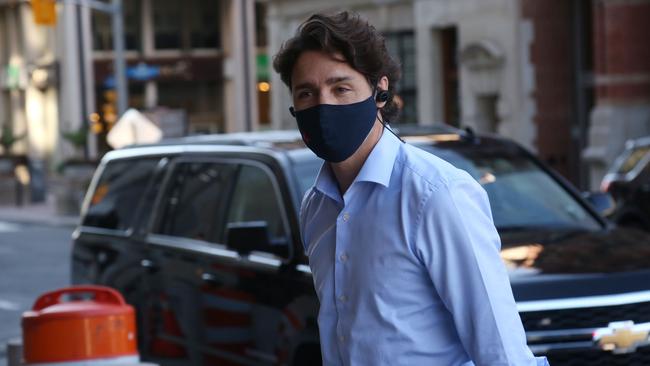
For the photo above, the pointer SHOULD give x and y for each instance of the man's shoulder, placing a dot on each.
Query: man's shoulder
(428, 170)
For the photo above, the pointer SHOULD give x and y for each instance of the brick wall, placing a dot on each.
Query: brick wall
(622, 51)
(551, 56)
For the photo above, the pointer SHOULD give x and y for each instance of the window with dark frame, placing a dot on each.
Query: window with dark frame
(401, 45)
(204, 25)
(102, 28)
(190, 24)
(168, 24)
(261, 11)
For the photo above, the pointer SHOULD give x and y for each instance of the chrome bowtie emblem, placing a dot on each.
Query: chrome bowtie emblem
(622, 337)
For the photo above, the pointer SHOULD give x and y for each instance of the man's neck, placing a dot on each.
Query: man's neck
(347, 170)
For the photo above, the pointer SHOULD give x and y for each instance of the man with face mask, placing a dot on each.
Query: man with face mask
(401, 245)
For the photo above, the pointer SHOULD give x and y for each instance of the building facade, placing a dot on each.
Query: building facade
(31, 76)
(568, 79)
(193, 63)
(621, 80)
(466, 64)
(539, 72)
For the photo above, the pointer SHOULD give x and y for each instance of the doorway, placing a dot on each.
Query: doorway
(451, 93)
(486, 113)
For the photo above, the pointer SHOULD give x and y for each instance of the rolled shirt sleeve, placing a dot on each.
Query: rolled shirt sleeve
(457, 242)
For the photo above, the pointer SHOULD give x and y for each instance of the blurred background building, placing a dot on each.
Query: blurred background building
(192, 63)
(569, 79)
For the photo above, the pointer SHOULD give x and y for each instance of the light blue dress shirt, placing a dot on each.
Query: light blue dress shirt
(406, 266)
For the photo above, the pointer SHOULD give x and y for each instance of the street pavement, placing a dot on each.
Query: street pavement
(34, 258)
(39, 213)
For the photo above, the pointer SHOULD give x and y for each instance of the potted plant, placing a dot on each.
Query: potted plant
(8, 139)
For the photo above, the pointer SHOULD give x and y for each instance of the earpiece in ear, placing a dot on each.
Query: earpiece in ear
(292, 111)
(382, 96)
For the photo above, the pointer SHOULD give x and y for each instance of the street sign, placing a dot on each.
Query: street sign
(262, 67)
(142, 72)
(44, 12)
(133, 128)
(13, 77)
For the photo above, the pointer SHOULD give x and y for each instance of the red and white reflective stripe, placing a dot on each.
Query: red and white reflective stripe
(162, 347)
(227, 317)
(228, 322)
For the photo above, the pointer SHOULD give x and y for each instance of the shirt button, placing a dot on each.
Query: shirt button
(343, 257)
(343, 298)
(346, 217)
(342, 338)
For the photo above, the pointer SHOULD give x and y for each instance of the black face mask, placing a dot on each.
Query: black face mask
(335, 132)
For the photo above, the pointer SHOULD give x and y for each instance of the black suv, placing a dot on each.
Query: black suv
(201, 236)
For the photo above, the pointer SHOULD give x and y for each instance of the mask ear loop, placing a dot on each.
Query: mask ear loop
(384, 98)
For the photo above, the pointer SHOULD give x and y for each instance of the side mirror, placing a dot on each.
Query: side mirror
(245, 237)
(601, 201)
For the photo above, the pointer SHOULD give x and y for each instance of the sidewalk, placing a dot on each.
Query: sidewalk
(37, 213)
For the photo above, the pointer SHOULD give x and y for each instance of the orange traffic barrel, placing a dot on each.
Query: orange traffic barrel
(89, 325)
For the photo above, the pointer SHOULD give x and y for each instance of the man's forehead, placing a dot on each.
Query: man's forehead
(302, 73)
(334, 56)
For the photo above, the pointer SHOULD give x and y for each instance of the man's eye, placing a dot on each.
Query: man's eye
(304, 94)
(342, 90)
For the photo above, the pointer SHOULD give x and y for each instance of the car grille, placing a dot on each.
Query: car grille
(578, 324)
(585, 318)
(600, 358)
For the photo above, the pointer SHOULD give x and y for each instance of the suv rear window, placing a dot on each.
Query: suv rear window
(115, 199)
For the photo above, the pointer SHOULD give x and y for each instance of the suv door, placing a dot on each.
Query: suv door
(104, 248)
(234, 296)
(189, 214)
(262, 317)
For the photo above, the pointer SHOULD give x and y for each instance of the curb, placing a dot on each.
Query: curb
(38, 218)
(55, 223)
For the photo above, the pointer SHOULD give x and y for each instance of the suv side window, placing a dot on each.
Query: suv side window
(115, 199)
(255, 199)
(194, 204)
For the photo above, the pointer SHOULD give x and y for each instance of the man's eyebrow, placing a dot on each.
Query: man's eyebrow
(329, 81)
(305, 85)
(337, 79)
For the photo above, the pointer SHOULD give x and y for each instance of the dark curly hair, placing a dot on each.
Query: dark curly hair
(353, 37)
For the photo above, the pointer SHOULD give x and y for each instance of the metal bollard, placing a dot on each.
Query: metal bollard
(15, 352)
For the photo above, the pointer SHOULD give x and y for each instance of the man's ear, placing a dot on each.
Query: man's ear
(382, 85)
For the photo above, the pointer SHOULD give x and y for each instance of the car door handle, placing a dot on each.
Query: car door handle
(211, 279)
(148, 265)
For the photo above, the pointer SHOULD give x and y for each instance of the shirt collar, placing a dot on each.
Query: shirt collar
(377, 168)
(326, 183)
(379, 164)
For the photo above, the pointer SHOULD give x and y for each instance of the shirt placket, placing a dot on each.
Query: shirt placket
(341, 290)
